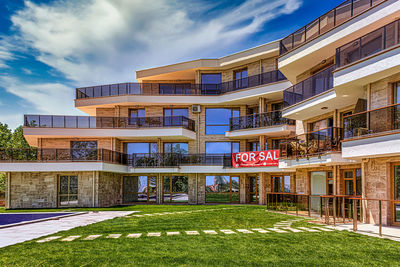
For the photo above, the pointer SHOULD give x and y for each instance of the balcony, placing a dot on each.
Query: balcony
(313, 149)
(270, 124)
(330, 20)
(372, 133)
(156, 89)
(369, 58)
(53, 126)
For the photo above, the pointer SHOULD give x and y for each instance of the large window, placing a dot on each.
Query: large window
(211, 83)
(175, 189)
(68, 190)
(217, 119)
(140, 148)
(281, 183)
(84, 150)
(396, 192)
(173, 116)
(222, 147)
(254, 183)
(137, 116)
(182, 148)
(139, 189)
(222, 189)
(175, 89)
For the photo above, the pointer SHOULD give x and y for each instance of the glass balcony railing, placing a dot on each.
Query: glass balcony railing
(369, 44)
(371, 122)
(330, 20)
(312, 143)
(315, 85)
(179, 88)
(55, 121)
(136, 160)
(273, 118)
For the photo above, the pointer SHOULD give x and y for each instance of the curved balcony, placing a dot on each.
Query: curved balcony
(157, 89)
(330, 20)
(268, 124)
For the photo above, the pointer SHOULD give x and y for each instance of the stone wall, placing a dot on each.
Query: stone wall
(109, 189)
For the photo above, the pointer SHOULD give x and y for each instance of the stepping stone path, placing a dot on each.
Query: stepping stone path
(173, 233)
(91, 237)
(192, 232)
(114, 236)
(210, 232)
(177, 212)
(134, 235)
(244, 231)
(280, 227)
(154, 234)
(70, 238)
(228, 232)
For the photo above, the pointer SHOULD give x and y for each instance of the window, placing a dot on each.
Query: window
(84, 150)
(141, 148)
(182, 148)
(222, 147)
(175, 188)
(217, 119)
(174, 116)
(68, 190)
(277, 106)
(211, 83)
(222, 189)
(254, 146)
(321, 124)
(396, 93)
(240, 77)
(329, 179)
(352, 182)
(254, 189)
(135, 189)
(137, 116)
(281, 183)
(396, 191)
(276, 143)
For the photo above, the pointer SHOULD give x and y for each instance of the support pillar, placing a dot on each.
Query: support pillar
(262, 188)
(8, 190)
(159, 195)
(243, 188)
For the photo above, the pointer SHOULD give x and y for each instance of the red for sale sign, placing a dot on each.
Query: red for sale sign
(255, 159)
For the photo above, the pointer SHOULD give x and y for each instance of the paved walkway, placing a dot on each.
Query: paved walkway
(388, 232)
(17, 234)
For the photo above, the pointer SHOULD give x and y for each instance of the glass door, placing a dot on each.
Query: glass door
(318, 188)
(396, 193)
(254, 188)
(139, 189)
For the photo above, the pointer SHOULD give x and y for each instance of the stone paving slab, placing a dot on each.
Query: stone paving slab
(21, 233)
(91, 237)
(173, 233)
(154, 234)
(277, 230)
(192, 232)
(70, 238)
(262, 231)
(292, 229)
(115, 236)
(227, 232)
(244, 231)
(134, 235)
(47, 239)
(308, 229)
(210, 232)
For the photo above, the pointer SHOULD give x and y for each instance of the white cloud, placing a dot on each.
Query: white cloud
(27, 71)
(105, 41)
(5, 54)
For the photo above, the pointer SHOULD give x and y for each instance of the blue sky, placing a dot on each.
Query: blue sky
(49, 47)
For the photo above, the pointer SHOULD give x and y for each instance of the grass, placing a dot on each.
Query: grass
(310, 249)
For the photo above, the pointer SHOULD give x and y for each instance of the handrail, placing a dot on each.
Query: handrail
(258, 120)
(379, 120)
(179, 88)
(316, 84)
(354, 50)
(56, 121)
(328, 21)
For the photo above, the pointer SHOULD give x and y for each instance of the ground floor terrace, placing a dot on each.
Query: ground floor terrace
(207, 235)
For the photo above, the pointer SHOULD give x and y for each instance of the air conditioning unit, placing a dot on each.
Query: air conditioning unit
(196, 109)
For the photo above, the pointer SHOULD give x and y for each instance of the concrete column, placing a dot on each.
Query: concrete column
(243, 188)
(192, 188)
(201, 189)
(159, 146)
(262, 188)
(262, 140)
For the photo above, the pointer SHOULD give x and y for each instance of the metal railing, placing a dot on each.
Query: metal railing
(179, 88)
(266, 119)
(372, 122)
(312, 143)
(312, 86)
(55, 121)
(330, 20)
(369, 44)
(136, 160)
(62, 154)
(141, 160)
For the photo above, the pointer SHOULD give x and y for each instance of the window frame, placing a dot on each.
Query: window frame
(171, 192)
(140, 120)
(170, 152)
(230, 192)
(353, 179)
(227, 125)
(59, 194)
(231, 143)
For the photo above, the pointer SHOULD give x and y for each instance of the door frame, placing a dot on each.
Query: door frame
(392, 188)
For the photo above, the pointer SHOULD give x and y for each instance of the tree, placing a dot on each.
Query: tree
(5, 135)
(2, 183)
(18, 140)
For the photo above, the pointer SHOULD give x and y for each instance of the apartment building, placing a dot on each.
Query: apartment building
(326, 98)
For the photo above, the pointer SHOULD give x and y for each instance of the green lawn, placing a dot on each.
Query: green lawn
(323, 249)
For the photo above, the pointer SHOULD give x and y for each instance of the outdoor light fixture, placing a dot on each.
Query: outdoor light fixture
(324, 108)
